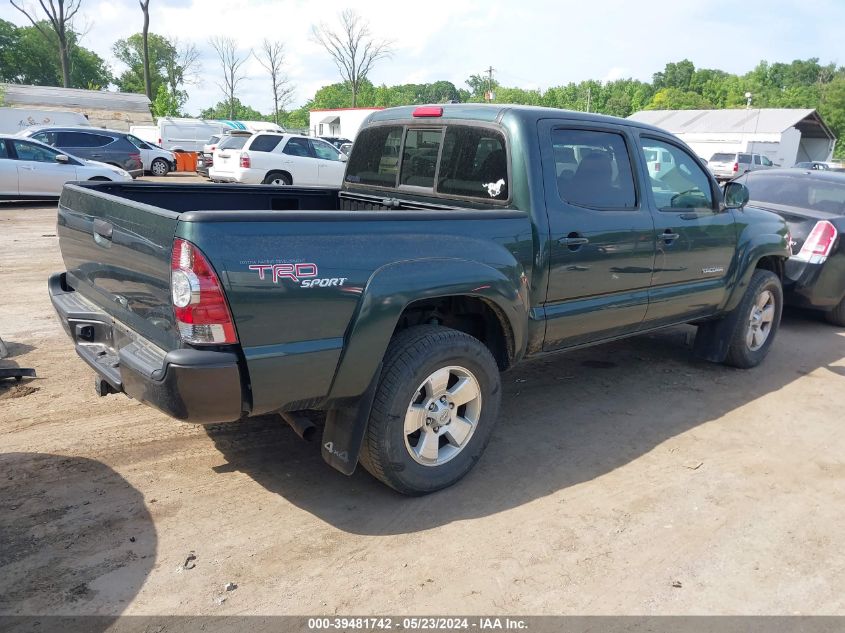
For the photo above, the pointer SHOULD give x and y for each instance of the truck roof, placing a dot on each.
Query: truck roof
(491, 112)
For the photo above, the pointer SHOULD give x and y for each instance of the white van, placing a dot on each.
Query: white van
(177, 134)
(13, 120)
(189, 135)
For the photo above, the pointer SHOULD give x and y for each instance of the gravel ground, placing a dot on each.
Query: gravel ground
(623, 479)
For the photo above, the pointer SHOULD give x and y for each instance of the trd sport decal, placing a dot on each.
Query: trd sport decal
(305, 275)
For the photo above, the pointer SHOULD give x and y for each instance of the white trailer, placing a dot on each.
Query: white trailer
(13, 120)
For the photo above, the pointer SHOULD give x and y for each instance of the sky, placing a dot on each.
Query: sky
(530, 43)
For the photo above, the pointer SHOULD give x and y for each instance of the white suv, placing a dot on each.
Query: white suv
(271, 158)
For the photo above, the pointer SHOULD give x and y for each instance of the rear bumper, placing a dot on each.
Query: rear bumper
(188, 384)
(817, 286)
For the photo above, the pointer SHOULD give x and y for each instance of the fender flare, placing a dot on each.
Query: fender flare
(749, 252)
(387, 293)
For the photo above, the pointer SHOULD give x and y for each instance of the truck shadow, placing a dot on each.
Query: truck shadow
(76, 538)
(565, 420)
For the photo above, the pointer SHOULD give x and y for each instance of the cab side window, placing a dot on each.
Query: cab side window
(593, 169)
(324, 151)
(33, 152)
(680, 183)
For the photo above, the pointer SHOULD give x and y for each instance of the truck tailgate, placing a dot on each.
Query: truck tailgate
(117, 255)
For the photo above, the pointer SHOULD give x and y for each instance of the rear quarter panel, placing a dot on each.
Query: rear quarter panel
(293, 334)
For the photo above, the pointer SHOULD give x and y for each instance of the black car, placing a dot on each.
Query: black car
(813, 204)
(337, 141)
(106, 146)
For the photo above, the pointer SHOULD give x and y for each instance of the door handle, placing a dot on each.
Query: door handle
(103, 229)
(573, 239)
(26, 167)
(668, 236)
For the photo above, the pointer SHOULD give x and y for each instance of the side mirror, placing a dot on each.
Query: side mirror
(343, 157)
(736, 195)
(61, 158)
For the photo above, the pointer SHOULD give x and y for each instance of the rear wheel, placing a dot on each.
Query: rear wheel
(277, 178)
(434, 410)
(837, 315)
(159, 167)
(758, 320)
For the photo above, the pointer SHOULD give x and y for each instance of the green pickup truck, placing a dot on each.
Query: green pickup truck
(465, 238)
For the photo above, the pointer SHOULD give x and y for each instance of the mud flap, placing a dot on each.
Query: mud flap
(713, 339)
(343, 434)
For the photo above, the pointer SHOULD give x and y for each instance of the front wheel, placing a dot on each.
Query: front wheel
(758, 321)
(434, 410)
(159, 167)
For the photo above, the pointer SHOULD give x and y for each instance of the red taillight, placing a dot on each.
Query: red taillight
(136, 156)
(736, 167)
(159, 142)
(819, 243)
(245, 160)
(428, 111)
(199, 305)
(656, 166)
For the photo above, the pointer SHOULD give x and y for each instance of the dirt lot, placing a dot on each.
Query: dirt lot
(622, 479)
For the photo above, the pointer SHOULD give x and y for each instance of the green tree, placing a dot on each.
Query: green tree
(130, 51)
(168, 103)
(25, 60)
(240, 111)
(677, 99)
(56, 28)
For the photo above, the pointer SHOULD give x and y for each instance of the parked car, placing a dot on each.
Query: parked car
(817, 165)
(813, 205)
(337, 141)
(277, 159)
(105, 146)
(393, 301)
(32, 170)
(205, 158)
(732, 164)
(157, 161)
(189, 135)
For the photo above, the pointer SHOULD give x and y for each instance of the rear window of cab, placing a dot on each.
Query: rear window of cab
(453, 160)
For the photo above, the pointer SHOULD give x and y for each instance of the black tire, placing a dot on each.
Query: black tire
(412, 356)
(837, 315)
(278, 178)
(161, 165)
(740, 353)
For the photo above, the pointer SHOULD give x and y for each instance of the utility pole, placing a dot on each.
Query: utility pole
(489, 95)
(589, 97)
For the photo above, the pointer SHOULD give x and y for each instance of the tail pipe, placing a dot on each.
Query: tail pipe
(301, 425)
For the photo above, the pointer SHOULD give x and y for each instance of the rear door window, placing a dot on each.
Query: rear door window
(757, 160)
(600, 177)
(419, 157)
(375, 160)
(82, 139)
(265, 142)
(743, 158)
(298, 147)
(474, 163)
